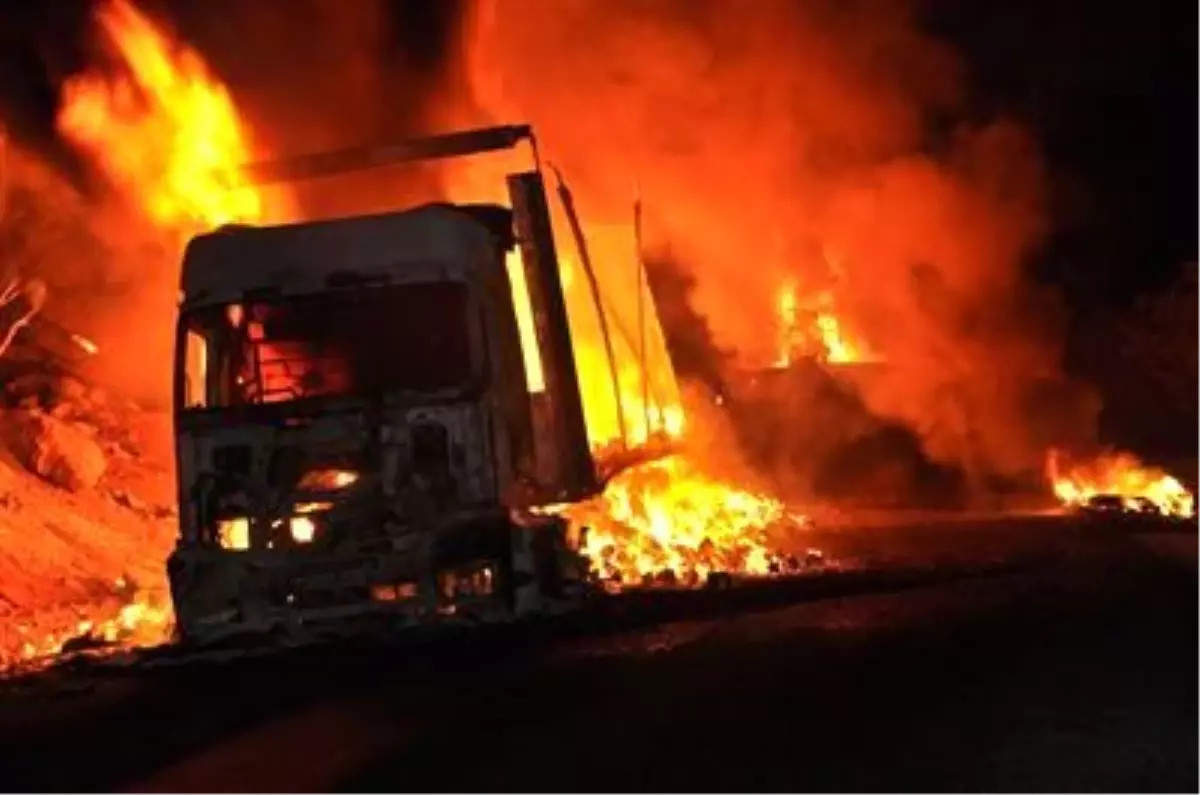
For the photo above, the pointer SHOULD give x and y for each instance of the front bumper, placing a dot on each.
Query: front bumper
(493, 572)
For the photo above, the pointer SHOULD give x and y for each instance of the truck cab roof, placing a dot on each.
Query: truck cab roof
(432, 242)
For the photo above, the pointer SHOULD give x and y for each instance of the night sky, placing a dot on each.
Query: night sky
(1108, 86)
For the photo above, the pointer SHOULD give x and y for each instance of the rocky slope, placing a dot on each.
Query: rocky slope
(86, 517)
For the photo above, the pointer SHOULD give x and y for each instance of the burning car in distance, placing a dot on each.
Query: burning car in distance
(1117, 488)
(1115, 504)
(1136, 511)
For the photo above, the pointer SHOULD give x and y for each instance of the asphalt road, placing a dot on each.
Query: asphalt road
(1022, 655)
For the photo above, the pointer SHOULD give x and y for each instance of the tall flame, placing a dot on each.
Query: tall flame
(162, 127)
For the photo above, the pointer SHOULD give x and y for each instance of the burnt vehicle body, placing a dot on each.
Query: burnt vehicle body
(1127, 511)
(1105, 505)
(356, 441)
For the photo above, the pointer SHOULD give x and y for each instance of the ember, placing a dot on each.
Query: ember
(85, 344)
(1119, 475)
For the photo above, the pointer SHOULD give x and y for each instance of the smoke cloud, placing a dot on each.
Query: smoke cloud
(817, 141)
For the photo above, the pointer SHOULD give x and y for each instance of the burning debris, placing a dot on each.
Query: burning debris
(666, 522)
(1118, 482)
(132, 618)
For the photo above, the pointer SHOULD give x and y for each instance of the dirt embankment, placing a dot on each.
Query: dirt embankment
(86, 512)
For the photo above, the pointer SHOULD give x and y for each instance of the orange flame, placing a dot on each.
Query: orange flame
(145, 620)
(815, 331)
(163, 129)
(1119, 475)
(647, 399)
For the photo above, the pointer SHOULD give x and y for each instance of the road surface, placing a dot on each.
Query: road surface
(1030, 655)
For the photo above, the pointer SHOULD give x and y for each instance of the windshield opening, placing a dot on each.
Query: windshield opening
(361, 343)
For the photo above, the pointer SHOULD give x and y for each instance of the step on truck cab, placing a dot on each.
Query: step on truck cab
(356, 443)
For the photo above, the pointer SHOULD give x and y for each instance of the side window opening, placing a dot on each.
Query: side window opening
(195, 380)
(535, 380)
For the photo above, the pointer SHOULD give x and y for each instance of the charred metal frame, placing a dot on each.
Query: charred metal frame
(576, 476)
(361, 158)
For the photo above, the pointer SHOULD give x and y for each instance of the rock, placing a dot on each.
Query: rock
(55, 450)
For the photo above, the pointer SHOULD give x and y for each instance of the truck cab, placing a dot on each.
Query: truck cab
(356, 443)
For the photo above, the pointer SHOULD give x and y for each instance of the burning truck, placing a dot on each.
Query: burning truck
(354, 435)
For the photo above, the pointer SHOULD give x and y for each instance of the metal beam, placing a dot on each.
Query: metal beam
(574, 472)
(361, 158)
